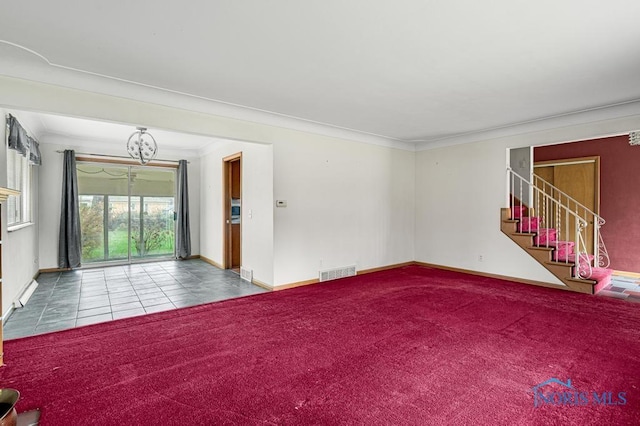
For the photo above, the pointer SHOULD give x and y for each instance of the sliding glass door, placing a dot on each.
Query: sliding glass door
(126, 212)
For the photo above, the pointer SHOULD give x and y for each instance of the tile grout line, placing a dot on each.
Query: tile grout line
(197, 274)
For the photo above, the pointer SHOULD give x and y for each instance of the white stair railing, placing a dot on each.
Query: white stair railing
(570, 219)
(600, 253)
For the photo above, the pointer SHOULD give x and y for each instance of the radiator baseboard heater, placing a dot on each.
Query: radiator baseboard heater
(26, 295)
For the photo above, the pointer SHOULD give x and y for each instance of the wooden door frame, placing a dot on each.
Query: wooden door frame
(591, 243)
(226, 208)
(578, 160)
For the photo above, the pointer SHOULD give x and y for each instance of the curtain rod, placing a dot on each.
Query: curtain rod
(118, 156)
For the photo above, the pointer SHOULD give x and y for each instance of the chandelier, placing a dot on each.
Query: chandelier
(142, 146)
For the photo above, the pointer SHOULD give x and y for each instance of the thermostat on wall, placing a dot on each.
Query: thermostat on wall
(281, 203)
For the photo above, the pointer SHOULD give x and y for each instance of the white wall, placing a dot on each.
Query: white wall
(459, 193)
(19, 247)
(257, 198)
(347, 204)
(51, 190)
(344, 197)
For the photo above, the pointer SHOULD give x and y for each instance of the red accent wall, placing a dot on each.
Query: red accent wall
(619, 193)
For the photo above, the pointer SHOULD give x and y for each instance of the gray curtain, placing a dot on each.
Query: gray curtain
(183, 236)
(69, 246)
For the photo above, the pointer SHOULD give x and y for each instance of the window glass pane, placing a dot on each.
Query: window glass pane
(137, 246)
(153, 181)
(17, 172)
(153, 232)
(140, 224)
(27, 170)
(118, 223)
(92, 227)
(102, 179)
(158, 226)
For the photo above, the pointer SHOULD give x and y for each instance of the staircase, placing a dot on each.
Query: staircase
(560, 233)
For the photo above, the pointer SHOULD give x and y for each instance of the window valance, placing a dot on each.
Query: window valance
(20, 141)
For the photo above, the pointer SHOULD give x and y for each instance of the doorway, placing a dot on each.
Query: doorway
(520, 163)
(232, 208)
(579, 178)
(126, 212)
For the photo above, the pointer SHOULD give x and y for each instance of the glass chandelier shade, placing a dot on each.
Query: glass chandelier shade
(142, 146)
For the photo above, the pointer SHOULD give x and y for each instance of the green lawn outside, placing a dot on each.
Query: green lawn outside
(118, 248)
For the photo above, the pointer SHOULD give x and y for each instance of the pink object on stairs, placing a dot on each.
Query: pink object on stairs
(563, 248)
(518, 211)
(528, 224)
(545, 237)
(564, 252)
(571, 257)
(603, 278)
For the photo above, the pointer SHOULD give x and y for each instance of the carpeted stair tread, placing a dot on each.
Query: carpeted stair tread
(563, 258)
(563, 246)
(601, 273)
(518, 211)
(559, 243)
(571, 257)
(602, 276)
(529, 224)
(545, 236)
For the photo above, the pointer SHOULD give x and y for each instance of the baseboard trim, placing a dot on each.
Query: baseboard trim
(296, 284)
(379, 269)
(7, 314)
(627, 274)
(219, 266)
(210, 262)
(263, 285)
(386, 268)
(496, 276)
(44, 271)
(361, 272)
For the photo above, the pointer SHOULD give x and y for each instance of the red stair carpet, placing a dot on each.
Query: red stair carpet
(407, 346)
(564, 251)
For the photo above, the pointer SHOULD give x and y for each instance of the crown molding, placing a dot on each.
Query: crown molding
(617, 111)
(29, 65)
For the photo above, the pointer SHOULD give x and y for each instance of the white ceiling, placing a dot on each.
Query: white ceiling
(409, 70)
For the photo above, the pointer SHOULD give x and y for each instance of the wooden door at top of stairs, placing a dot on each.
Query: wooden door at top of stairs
(580, 179)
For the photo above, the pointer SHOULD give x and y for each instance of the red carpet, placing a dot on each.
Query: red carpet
(408, 346)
